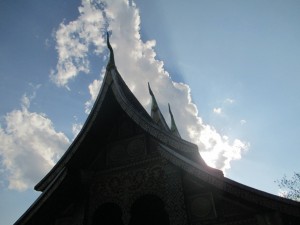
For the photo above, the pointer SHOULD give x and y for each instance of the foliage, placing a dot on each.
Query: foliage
(290, 188)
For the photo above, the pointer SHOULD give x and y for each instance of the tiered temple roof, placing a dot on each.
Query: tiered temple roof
(113, 97)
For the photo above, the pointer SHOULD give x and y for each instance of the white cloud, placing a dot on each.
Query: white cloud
(29, 146)
(74, 41)
(76, 127)
(229, 100)
(47, 43)
(94, 89)
(217, 110)
(242, 122)
(137, 64)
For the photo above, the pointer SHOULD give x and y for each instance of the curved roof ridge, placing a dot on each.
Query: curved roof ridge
(227, 185)
(122, 91)
(40, 186)
(42, 198)
(134, 109)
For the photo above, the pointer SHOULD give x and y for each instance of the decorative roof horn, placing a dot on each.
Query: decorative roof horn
(173, 128)
(159, 118)
(156, 114)
(111, 62)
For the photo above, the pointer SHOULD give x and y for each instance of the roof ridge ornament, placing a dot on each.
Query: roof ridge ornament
(173, 128)
(156, 113)
(154, 105)
(111, 62)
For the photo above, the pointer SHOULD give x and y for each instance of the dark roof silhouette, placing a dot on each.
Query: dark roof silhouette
(113, 94)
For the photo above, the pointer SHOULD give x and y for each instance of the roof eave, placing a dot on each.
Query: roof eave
(42, 185)
(42, 198)
(214, 178)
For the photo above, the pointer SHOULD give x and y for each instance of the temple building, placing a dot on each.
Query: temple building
(127, 167)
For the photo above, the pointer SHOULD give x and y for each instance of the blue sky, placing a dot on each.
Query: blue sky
(237, 61)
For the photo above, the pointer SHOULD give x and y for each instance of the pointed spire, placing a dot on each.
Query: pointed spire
(154, 105)
(174, 129)
(155, 112)
(111, 62)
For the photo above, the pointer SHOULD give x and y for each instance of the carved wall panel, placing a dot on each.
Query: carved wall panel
(201, 207)
(208, 206)
(123, 127)
(227, 208)
(126, 151)
(125, 186)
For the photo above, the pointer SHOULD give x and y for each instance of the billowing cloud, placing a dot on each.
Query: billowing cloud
(217, 110)
(76, 127)
(30, 146)
(76, 39)
(137, 63)
(94, 88)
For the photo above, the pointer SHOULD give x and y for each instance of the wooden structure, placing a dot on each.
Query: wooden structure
(127, 167)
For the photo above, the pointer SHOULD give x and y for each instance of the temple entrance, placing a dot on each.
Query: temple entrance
(149, 210)
(108, 214)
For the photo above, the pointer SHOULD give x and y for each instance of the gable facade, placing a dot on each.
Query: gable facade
(127, 167)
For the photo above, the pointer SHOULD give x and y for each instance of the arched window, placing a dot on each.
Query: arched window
(108, 214)
(149, 210)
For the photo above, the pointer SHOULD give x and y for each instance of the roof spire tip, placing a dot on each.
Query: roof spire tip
(111, 62)
(173, 128)
(149, 88)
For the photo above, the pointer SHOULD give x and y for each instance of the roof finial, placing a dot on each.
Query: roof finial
(154, 105)
(111, 62)
(156, 115)
(173, 128)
